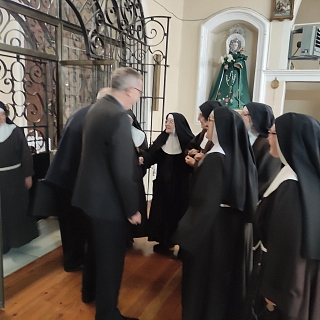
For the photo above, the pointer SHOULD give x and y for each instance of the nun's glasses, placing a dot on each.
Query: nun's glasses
(270, 132)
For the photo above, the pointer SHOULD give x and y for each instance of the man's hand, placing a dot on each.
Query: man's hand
(136, 218)
(270, 305)
(28, 182)
(141, 160)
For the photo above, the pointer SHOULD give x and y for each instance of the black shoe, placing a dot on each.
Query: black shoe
(126, 318)
(129, 244)
(87, 297)
(74, 268)
(160, 248)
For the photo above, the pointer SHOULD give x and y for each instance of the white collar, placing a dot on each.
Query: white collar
(216, 145)
(253, 135)
(137, 136)
(172, 145)
(286, 173)
(5, 131)
(203, 142)
(216, 148)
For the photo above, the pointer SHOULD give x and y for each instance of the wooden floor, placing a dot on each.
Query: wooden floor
(43, 291)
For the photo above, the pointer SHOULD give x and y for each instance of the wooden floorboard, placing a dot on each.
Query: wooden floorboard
(43, 291)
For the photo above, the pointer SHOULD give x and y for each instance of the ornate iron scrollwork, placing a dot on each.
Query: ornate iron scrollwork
(49, 7)
(25, 87)
(29, 33)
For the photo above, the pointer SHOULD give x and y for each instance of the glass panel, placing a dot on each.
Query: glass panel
(81, 85)
(73, 46)
(25, 32)
(89, 10)
(49, 7)
(28, 86)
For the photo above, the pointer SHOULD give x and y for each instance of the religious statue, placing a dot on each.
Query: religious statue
(231, 87)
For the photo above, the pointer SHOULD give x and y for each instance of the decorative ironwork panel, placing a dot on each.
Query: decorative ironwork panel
(49, 7)
(70, 15)
(123, 14)
(73, 45)
(27, 85)
(89, 11)
(22, 31)
(85, 39)
(81, 85)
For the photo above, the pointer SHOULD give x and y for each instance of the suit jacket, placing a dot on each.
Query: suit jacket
(64, 167)
(108, 178)
(54, 193)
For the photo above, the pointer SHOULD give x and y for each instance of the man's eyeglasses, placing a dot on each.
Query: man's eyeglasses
(270, 132)
(141, 92)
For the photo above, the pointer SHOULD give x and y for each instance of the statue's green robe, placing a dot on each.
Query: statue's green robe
(231, 87)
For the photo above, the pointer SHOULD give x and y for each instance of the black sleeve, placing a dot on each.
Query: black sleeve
(193, 144)
(150, 156)
(204, 203)
(124, 166)
(283, 226)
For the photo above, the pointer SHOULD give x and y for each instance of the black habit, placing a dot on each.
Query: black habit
(287, 279)
(213, 234)
(289, 225)
(18, 228)
(170, 188)
(267, 166)
(205, 109)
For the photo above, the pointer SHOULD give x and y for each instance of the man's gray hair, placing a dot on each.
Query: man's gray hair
(124, 78)
(103, 92)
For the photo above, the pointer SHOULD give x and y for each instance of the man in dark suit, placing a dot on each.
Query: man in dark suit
(61, 178)
(108, 184)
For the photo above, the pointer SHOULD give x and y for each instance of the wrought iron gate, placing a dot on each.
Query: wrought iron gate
(55, 55)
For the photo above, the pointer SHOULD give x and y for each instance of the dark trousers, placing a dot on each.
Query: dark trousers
(74, 235)
(109, 247)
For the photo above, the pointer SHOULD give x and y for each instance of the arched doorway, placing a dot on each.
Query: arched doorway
(233, 15)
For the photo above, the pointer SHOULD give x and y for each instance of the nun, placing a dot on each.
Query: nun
(289, 223)
(212, 233)
(16, 170)
(170, 188)
(258, 118)
(199, 145)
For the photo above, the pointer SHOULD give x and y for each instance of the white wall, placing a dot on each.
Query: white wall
(151, 8)
(184, 49)
(303, 97)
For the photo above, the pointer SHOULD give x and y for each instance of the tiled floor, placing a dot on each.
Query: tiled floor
(48, 240)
